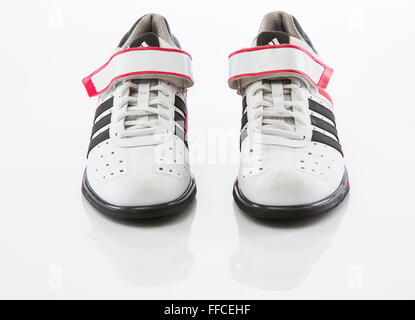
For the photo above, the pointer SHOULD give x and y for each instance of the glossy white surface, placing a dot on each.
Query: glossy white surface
(54, 245)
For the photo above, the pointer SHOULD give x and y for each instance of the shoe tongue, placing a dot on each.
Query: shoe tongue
(149, 39)
(151, 29)
(285, 94)
(267, 38)
(282, 27)
(133, 105)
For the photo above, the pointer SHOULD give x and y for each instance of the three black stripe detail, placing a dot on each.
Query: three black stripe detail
(179, 103)
(180, 120)
(106, 120)
(244, 120)
(101, 123)
(182, 134)
(318, 136)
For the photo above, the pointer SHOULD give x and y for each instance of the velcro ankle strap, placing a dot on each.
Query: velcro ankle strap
(269, 62)
(172, 65)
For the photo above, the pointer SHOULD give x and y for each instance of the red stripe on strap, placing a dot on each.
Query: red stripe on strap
(325, 77)
(325, 95)
(89, 86)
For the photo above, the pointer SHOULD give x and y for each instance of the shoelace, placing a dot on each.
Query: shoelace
(143, 119)
(283, 118)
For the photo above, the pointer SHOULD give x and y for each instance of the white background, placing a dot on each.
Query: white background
(54, 245)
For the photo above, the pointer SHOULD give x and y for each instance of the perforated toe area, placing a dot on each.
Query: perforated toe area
(136, 177)
(318, 161)
(108, 162)
(286, 177)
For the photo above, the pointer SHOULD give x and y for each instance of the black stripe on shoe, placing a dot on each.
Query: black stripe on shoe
(322, 138)
(324, 125)
(320, 109)
(181, 135)
(104, 107)
(244, 134)
(104, 135)
(101, 123)
(180, 104)
(180, 120)
(244, 120)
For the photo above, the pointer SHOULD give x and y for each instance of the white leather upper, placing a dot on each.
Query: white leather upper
(138, 172)
(285, 172)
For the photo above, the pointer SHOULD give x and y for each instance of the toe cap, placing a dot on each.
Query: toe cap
(143, 188)
(287, 187)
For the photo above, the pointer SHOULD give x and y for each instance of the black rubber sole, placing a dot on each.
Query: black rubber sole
(292, 212)
(140, 212)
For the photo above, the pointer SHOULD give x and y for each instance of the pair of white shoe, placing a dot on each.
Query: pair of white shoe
(292, 164)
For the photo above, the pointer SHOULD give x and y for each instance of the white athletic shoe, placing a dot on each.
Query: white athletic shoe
(292, 164)
(138, 154)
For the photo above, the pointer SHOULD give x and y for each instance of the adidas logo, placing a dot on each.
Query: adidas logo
(273, 42)
(144, 44)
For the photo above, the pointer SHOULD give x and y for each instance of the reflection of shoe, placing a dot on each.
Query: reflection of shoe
(149, 252)
(291, 161)
(279, 255)
(138, 155)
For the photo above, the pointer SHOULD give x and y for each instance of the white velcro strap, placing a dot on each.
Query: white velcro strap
(144, 62)
(266, 62)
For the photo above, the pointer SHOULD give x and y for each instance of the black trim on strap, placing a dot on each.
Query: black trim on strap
(101, 123)
(324, 125)
(244, 104)
(104, 107)
(322, 138)
(317, 107)
(104, 135)
(180, 104)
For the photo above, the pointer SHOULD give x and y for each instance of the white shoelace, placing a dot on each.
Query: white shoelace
(281, 112)
(143, 118)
